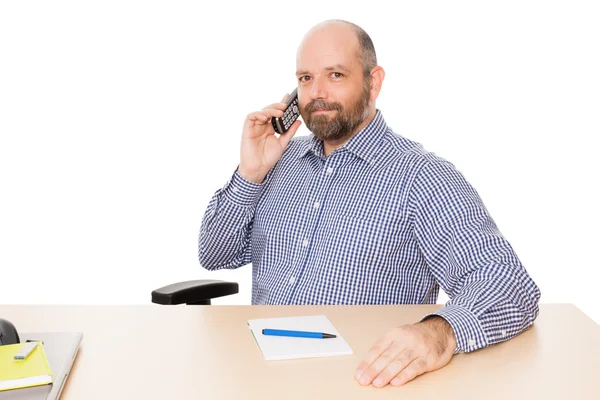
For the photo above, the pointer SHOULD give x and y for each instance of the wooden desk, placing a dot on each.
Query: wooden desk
(208, 352)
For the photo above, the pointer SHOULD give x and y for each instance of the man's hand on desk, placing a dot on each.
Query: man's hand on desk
(407, 352)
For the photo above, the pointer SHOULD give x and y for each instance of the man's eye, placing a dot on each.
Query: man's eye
(304, 78)
(336, 75)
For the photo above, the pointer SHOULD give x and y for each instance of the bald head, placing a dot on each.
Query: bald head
(338, 33)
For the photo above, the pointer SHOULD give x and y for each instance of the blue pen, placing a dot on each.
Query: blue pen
(304, 334)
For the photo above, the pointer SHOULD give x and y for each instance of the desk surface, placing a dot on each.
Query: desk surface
(181, 352)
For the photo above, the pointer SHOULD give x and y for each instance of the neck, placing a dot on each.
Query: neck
(331, 145)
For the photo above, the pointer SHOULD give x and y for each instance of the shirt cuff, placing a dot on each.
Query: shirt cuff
(241, 191)
(467, 328)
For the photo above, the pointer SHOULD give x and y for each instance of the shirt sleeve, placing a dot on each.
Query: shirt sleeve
(225, 232)
(492, 298)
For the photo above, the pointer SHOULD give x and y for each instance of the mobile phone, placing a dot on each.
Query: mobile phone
(291, 114)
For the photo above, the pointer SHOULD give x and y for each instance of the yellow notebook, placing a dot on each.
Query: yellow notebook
(15, 374)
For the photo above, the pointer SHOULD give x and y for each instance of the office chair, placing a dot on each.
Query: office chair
(197, 292)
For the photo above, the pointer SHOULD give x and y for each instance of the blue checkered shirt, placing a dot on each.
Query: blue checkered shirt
(378, 221)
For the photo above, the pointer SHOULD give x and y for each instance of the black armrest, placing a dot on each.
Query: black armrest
(193, 292)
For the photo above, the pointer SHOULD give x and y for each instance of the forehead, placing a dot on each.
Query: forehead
(327, 47)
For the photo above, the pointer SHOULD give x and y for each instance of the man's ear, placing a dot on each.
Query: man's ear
(377, 76)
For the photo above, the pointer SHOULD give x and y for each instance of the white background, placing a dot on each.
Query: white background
(120, 119)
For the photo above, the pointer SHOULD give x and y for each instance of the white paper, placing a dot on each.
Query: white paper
(285, 348)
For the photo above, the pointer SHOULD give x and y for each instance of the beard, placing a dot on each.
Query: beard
(343, 123)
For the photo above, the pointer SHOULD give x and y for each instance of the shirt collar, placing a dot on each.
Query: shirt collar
(365, 144)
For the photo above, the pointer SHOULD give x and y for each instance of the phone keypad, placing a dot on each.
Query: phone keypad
(290, 115)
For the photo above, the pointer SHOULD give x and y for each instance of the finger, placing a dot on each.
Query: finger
(373, 354)
(418, 367)
(276, 106)
(273, 112)
(285, 97)
(286, 137)
(393, 368)
(257, 118)
(263, 116)
(380, 364)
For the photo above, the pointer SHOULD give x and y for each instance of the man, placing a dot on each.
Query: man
(356, 214)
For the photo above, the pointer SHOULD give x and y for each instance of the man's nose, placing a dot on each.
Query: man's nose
(317, 90)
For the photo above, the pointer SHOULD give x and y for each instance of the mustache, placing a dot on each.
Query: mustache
(318, 105)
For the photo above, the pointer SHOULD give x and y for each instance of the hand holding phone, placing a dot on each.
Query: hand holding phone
(261, 148)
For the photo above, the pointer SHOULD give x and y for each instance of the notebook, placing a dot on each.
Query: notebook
(33, 371)
(61, 350)
(285, 348)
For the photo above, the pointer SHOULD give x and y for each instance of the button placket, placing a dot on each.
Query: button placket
(317, 192)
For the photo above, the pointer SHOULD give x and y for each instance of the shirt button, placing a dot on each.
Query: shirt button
(305, 242)
(503, 333)
(329, 170)
(316, 205)
(292, 280)
(235, 190)
(471, 343)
